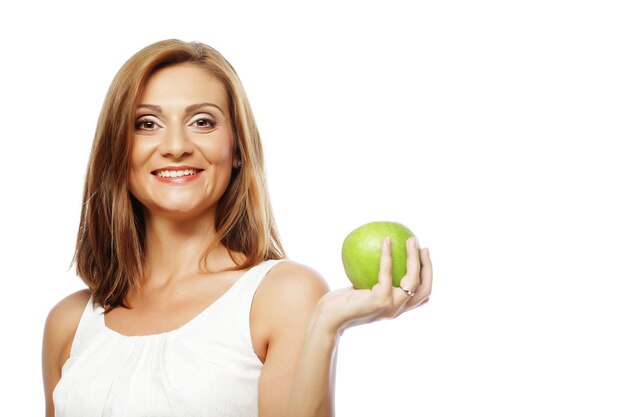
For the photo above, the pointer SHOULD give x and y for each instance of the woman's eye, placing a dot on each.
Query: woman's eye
(204, 122)
(145, 124)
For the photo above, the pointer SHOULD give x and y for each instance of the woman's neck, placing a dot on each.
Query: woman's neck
(174, 246)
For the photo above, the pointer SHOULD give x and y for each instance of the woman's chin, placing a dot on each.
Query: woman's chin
(178, 211)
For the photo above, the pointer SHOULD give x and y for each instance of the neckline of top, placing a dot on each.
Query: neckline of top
(186, 324)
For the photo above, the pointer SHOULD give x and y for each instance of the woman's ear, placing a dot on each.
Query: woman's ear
(237, 161)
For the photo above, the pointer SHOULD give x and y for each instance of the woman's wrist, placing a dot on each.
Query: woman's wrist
(322, 325)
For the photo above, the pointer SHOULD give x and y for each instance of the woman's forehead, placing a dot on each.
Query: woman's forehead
(183, 84)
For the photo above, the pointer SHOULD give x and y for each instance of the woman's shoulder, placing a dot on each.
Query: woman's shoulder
(59, 332)
(70, 307)
(285, 301)
(290, 286)
(62, 321)
(289, 276)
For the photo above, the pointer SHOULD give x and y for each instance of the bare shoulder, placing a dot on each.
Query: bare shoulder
(67, 312)
(291, 278)
(59, 331)
(62, 323)
(290, 289)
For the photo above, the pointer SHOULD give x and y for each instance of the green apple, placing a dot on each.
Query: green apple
(360, 252)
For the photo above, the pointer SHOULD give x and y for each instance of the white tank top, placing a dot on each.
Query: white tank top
(207, 367)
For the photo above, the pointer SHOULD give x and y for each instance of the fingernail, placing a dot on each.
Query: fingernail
(387, 241)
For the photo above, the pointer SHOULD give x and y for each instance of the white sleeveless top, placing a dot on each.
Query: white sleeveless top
(207, 367)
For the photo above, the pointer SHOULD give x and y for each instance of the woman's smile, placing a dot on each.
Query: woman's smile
(177, 176)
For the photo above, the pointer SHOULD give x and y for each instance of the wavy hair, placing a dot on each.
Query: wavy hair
(110, 246)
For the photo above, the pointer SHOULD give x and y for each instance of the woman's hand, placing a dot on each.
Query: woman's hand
(348, 307)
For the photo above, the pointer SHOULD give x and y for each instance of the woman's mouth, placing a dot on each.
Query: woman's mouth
(182, 176)
(175, 173)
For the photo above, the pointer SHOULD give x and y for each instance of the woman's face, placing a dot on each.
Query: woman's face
(182, 120)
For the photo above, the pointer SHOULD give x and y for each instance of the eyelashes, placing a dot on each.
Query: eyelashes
(139, 123)
(149, 124)
(206, 122)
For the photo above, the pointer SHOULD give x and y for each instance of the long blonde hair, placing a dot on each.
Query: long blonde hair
(111, 237)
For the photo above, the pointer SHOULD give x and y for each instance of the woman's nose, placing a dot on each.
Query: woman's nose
(176, 142)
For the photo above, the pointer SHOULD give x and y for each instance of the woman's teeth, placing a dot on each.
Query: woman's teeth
(173, 174)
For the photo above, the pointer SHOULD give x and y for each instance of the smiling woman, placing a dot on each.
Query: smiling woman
(198, 133)
(191, 307)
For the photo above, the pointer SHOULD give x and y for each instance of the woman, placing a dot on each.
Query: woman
(191, 307)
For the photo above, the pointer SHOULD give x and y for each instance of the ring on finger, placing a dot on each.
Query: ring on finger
(409, 292)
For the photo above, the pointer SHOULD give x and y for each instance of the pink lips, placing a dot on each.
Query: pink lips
(177, 180)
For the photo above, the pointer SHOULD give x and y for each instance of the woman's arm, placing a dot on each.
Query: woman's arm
(287, 300)
(298, 377)
(313, 392)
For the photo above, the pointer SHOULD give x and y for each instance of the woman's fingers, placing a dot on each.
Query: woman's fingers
(412, 278)
(426, 281)
(350, 307)
(426, 276)
(385, 273)
(382, 292)
(418, 278)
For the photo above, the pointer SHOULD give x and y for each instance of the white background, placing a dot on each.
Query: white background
(491, 128)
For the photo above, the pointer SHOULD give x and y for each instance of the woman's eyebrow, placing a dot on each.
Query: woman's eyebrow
(188, 109)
